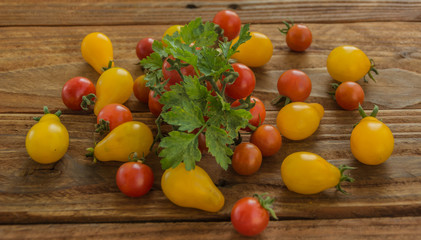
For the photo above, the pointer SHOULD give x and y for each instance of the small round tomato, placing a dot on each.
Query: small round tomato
(173, 76)
(244, 85)
(258, 112)
(115, 114)
(73, 93)
(140, 90)
(155, 107)
(295, 85)
(347, 64)
(268, 139)
(134, 179)
(299, 38)
(171, 30)
(246, 159)
(298, 120)
(256, 52)
(250, 215)
(230, 22)
(349, 95)
(144, 48)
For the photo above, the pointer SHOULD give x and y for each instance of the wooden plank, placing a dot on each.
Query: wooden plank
(62, 13)
(371, 228)
(36, 62)
(75, 190)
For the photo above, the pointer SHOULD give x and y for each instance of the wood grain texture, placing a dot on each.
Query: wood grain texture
(111, 12)
(372, 228)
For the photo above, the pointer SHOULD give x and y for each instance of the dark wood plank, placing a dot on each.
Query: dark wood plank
(111, 12)
(368, 228)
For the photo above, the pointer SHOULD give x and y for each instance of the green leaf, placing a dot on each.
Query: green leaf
(212, 63)
(179, 147)
(235, 120)
(188, 118)
(217, 141)
(158, 47)
(243, 37)
(199, 33)
(152, 62)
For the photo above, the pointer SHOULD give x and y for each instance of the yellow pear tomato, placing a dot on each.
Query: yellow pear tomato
(97, 50)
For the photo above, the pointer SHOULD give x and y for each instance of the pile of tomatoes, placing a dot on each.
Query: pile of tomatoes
(130, 141)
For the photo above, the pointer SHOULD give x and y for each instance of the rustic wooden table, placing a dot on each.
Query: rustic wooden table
(76, 199)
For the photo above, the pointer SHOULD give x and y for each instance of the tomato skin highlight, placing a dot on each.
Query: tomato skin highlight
(371, 141)
(140, 90)
(248, 217)
(294, 84)
(134, 179)
(97, 50)
(299, 38)
(349, 95)
(244, 85)
(173, 76)
(144, 48)
(268, 139)
(347, 64)
(73, 91)
(230, 22)
(246, 159)
(155, 107)
(115, 114)
(256, 52)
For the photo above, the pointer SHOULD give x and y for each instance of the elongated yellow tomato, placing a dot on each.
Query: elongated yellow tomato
(48, 140)
(299, 120)
(371, 141)
(347, 63)
(171, 30)
(192, 189)
(123, 140)
(308, 173)
(97, 50)
(255, 52)
(114, 86)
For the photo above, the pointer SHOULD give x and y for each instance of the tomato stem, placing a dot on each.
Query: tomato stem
(288, 26)
(134, 158)
(278, 100)
(90, 153)
(110, 64)
(344, 178)
(158, 136)
(372, 69)
(266, 203)
(102, 127)
(46, 111)
(87, 101)
(373, 113)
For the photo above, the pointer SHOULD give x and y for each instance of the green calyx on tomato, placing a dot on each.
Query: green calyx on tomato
(46, 111)
(266, 203)
(344, 178)
(196, 102)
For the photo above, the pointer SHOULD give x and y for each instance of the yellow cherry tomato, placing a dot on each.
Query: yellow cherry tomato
(299, 120)
(308, 173)
(348, 63)
(48, 140)
(97, 50)
(371, 141)
(171, 30)
(255, 52)
(193, 189)
(127, 138)
(113, 86)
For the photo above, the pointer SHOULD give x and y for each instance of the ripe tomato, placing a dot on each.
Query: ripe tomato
(141, 92)
(230, 22)
(268, 139)
(295, 85)
(348, 64)
(144, 48)
(246, 159)
(298, 37)
(349, 95)
(173, 75)
(250, 216)
(256, 52)
(155, 107)
(97, 50)
(115, 114)
(134, 179)
(171, 30)
(258, 112)
(243, 85)
(73, 93)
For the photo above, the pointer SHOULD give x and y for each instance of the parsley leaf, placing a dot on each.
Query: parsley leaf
(152, 62)
(217, 141)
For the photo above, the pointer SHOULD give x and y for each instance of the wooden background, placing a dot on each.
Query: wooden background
(76, 199)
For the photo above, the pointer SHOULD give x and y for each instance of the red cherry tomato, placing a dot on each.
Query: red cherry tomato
(246, 159)
(244, 85)
(140, 90)
(349, 95)
(295, 85)
(230, 22)
(144, 48)
(115, 114)
(268, 139)
(173, 75)
(248, 217)
(155, 107)
(134, 179)
(258, 112)
(299, 38)
(74, 90)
